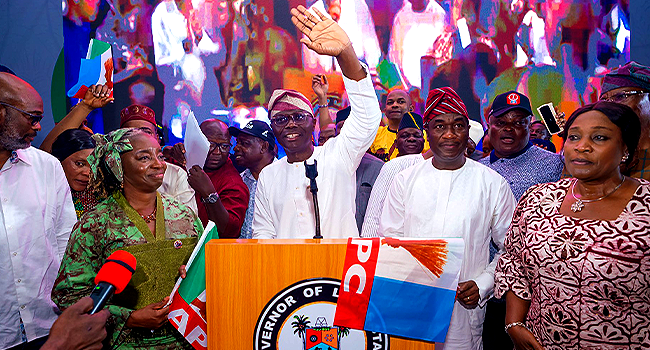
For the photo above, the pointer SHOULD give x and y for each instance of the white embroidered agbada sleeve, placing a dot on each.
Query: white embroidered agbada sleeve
(361, 126)
(503, 208)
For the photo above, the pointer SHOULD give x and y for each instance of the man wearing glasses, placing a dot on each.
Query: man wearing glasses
(629, 85)
(283, 205)
(36, 218)
(222, 196)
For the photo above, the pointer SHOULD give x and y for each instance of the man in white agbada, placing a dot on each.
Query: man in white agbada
(385, 179)
(451, 196)
(283, 202)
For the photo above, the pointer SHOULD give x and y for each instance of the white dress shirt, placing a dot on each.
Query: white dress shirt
(380, 191)
(36, 218)
(175, 185)
(473, 202)
(283, 204)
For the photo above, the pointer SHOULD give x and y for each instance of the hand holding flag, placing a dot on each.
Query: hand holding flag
(187, 300)
(98, 96)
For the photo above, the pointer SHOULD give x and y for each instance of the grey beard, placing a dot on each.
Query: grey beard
(9, 138)
(13, 142)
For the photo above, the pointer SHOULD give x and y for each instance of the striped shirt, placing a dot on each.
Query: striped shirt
(380, 190)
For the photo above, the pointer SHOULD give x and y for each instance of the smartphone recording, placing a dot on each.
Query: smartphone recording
(547, 112)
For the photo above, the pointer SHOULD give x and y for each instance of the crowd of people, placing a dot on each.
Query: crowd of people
(563, 239)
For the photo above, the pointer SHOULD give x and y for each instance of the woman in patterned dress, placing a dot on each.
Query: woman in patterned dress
(128, 167)
(72, 149)
(576, 267)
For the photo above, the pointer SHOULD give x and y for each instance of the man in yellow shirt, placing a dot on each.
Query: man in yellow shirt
(384, 146)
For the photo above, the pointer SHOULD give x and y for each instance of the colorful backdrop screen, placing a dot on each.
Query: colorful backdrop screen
(223, 58)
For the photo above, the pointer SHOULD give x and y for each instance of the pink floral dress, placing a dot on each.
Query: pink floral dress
(588, 281)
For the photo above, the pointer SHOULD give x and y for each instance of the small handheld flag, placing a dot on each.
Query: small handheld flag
(188, 300)
(96, 68)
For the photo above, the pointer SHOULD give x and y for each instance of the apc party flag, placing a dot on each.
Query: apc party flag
(402, 287)
(96, 68)
(187, 300)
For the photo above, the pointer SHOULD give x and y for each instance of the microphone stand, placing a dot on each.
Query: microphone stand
(311, 172)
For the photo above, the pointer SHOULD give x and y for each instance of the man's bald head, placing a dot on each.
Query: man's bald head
(398, 102)
(215, 127)
(399, 92)
(16, 129)
(14, 90)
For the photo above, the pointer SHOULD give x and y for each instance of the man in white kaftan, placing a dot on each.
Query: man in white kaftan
(283, 202)
(451, 196)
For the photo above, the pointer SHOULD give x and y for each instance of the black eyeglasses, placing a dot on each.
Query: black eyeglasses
(281, 120)
(223, 147)
(622, 96)
(33, 118)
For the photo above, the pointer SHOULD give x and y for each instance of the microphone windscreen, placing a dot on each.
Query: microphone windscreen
(117, 270)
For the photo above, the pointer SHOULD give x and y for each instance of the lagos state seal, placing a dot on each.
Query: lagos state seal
(300, 317)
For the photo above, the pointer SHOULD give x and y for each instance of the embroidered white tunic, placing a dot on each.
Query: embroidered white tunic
(284, 206)
(472, 202)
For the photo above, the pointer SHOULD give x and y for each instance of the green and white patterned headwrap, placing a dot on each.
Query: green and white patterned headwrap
(108, 148)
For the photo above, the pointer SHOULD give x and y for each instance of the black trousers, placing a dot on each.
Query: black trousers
(494, 337)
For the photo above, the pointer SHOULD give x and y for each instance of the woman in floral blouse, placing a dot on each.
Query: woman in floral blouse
(576, 267)
(127, 167)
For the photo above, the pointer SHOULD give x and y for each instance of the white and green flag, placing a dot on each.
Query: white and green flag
(187, 301)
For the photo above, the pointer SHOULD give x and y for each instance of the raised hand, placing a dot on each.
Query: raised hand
(200, 181)
(177, 155)
(97, 96)
(561, 119)
(320, 86)
(324, 36)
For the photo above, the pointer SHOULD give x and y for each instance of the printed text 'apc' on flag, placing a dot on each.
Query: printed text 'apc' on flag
(402, 287)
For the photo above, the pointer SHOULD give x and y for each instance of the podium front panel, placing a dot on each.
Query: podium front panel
(261, 293)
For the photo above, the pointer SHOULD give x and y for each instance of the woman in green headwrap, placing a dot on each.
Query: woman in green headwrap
(128, 167)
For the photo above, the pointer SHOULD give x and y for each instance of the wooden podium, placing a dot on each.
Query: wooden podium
(249, 278)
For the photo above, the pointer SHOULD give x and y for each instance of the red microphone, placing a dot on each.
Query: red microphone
(112, 278)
